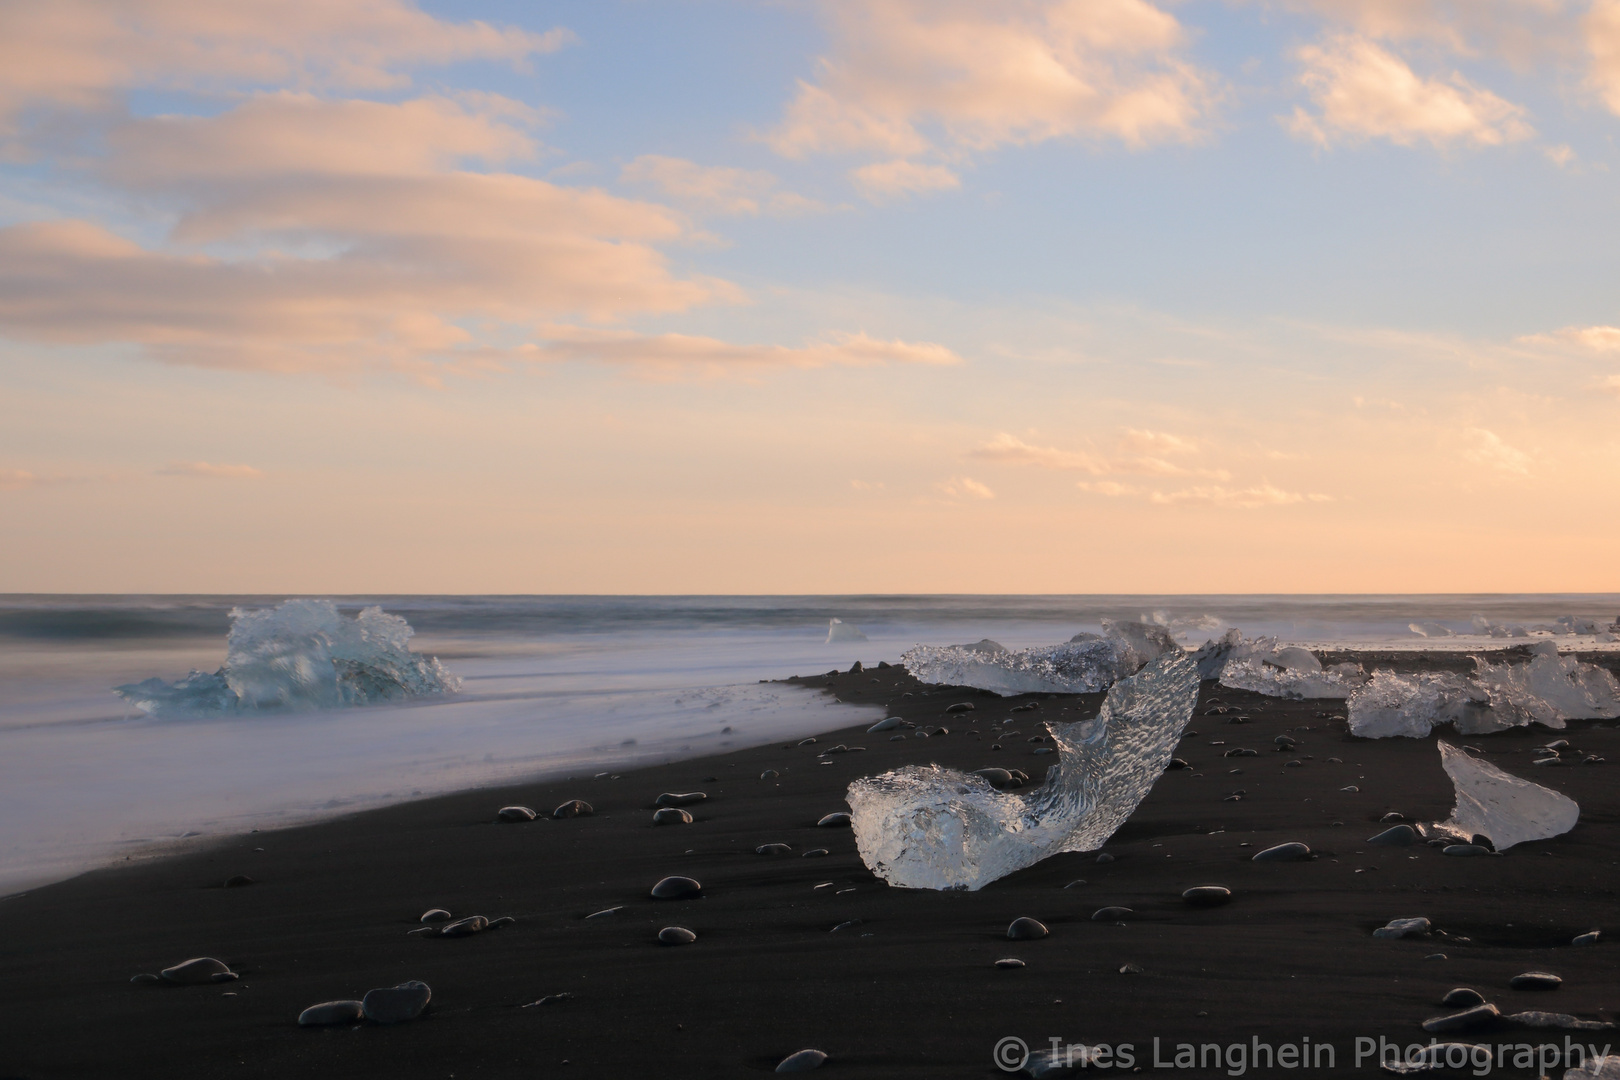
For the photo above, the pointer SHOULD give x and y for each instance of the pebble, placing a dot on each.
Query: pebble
(504, 920)
(1463, 997)
(1399, 836)
(146, 979)
(769, 774)
(676, 935)
(960, 706)
(897, 738)
(1105, 857)
(1008, 962)
(1175, 764)
(1588, 938)
(1485, 1015)
(1042, 750)
(682, 798)
(1130, 969)
(1535, 980)
(1026, 929)
(332, 1012)
(1353, 789)
(397, 1004)
(1283, 740)
(1465, 850)
(847, 924)
(815, 853)
(888, 723)
(238, 881)
(467, 927)
(199, 969)
(1241, 751)
(671, 815)
(1207, 895)
(1537, 1019)
(808, 742)
(1111, 914)
(1076, 881)
(573, 808)
(839, 820)
(1291, 852)
(1392, 816)
(435, 915)
(773, 849)
(996, 778)
(1437, 956)
(606, 911)
(803, 1061)
(516, 813)
(1399, 928)
(676, 888)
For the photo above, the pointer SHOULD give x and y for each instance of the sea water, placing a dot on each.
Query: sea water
(549, 687)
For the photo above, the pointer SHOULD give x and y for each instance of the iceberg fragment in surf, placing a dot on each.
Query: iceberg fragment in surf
(1085, 664)
(1550, 690)
(839, 630)
(302, 654)
(925, 827)
(1267, 667)
(1484, 626)
(1500, 805)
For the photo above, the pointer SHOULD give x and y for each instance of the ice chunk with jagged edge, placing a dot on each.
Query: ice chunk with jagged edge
(925, 827)
(839, 630)
(1550, 689)
(1502, 806)
(1482, 625)
(302, 654)
(1212, 656)
(1264, 666)
(1430, 629)
(1414, 705)
(1085, 664)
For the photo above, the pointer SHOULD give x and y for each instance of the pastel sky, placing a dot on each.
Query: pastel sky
(685, 296)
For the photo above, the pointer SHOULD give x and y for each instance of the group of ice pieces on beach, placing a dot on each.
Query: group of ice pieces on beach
(936, 828)
(301, 654)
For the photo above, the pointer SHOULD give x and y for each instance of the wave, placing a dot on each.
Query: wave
(301, 654)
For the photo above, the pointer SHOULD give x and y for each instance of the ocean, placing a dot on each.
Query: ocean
(550, 686)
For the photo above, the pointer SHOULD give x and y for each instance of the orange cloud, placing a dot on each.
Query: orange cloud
(709, 354)
(888, 179)
(1602, 31)
(1014, 451)
(715, 189)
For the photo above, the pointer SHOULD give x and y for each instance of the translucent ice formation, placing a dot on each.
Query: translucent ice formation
(1482, 625)
(1085, 664)
(1264, 666)
(925, 827)
(303, 654)
(1430, 629)
(839, 630)
(1550, 689)
(1502, 806)
(1413, 705)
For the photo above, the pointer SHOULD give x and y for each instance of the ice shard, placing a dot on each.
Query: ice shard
(1085, 664)
(1502, 806)
(1550, 689)
(839, 630)
(926, 827)
(1266, 667)
(1414, 705)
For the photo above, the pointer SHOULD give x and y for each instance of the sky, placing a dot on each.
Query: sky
(810, 296)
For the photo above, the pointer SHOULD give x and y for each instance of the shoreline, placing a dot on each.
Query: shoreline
(910, 989)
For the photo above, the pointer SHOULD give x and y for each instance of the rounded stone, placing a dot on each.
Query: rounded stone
(680, 798)
(573, 808)
(815, 853)
(397, 1004)
(769, 774)
(671, 815)
(886, 724)
(332, 1012)
(676, 935)
(1105, 857)
(197, 970)
(677, 888)
(1009, 962)
(146, 979)
(1589, 938)
(1024, 928)
(472, 924)
(237, 881)
(1477, 1017)
(1111, 914)
(839, 820)
(961, 706)
(803, 1061)
(435, 915)
(773, 849)
(1535, 980)
(1398, 836)
(505, 920)
(1207, 895)
(1464, 850)
(996, 778)
(1291, 852)
(510, 814)
(1463, 998)
(1176, 764)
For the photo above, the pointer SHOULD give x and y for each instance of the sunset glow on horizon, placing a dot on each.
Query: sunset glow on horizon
(716, 296)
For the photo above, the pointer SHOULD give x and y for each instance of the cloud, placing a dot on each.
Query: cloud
(1518, 30)
(887, 179)
(1486, 448)
(716, 189)
(1014, 451)
(1246, 498)
(1601, 28)
(909, 77)
(1110, 488)
(575, 343)
(866, 485)
(82, 53)
(1597, 339)
(1157, 442)
(1611, 384)
(204, 470)
(1363, 91)
(965, 486)
(16, 479)
(1010, 449)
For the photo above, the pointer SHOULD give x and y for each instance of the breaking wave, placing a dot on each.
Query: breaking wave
(302, 654)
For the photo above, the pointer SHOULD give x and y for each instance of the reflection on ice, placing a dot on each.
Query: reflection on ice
(934, 828)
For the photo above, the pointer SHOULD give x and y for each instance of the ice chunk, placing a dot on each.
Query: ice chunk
(1211, 658)
(1289, 671)
(1606, 1067)
(303, 654)
(1430, 629)
(839, 630)
(1413, 705)
(1550, 689)
(1500, 805)
(1482, 625)
(925, 827)
(1086, 664)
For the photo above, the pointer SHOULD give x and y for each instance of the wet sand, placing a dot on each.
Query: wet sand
(908, 990)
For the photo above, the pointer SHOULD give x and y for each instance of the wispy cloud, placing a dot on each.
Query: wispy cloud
(1484, 447)
(576, 343)
(205, 470)
(716, 189)
(1012, 450)
(1599, 339)
(964, 486)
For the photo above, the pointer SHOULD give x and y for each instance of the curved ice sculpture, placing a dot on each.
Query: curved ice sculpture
(933, 828)
(1083, 665)
(1505, 808)
(303, 654)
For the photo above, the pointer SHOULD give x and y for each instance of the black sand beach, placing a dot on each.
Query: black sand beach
(795, 952)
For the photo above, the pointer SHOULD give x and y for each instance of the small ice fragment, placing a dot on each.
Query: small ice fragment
(1399, 928)
(838, 630)
(1501, 806)
(928, 827)
(1484, 626)
(1430, 629)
